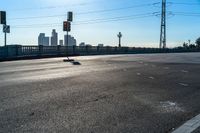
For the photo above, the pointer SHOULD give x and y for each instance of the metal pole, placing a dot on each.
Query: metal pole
(5, 39)
(119, 36)
(67, 39)
(67, 45)
(119, 42)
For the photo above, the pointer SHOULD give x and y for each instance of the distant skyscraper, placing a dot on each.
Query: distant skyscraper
(71, 40)
(54, 38)
(61, 42)
(46, 41)
(42, 40)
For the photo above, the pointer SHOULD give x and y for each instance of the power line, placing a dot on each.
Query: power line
(120, 17)
(51, 7)
(115, 9)
(184, 3)
(114, 20)
(187, 13)
(63, 6)
(88, 12)
(93, 21)
(39, 17)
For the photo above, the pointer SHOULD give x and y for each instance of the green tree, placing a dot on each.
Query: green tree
(185, 45)
(198, 42)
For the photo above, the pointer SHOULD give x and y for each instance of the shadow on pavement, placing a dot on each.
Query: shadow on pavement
(72, 61)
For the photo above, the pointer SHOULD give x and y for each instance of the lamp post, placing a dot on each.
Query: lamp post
(119, 36)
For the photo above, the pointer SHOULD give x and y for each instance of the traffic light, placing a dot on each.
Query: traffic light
(66, 26)
(2, 17)
(70, 17)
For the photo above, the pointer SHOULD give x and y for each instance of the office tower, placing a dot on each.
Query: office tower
(71, 40)
(42, 40)
(54, 38)
(61, 42)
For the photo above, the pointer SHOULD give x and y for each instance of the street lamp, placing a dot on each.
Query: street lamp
(119, 36)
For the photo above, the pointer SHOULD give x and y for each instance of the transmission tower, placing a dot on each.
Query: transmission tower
(163, 26)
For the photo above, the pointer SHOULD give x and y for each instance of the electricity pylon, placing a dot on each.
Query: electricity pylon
(163, 26)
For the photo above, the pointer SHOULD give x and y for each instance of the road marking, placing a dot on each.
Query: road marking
(138, 74)
(153, 65)
(183, 84)
(168, 106)
(146, 64)
(184, 71)
(189, 126)
(166, 67)
(151, 77)
(141, 62)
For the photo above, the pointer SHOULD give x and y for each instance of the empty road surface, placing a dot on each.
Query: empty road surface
(150, 93)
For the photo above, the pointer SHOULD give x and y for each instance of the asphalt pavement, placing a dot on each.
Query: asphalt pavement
(144, 93)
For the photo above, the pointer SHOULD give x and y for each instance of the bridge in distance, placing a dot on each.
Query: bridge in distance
(96, 94)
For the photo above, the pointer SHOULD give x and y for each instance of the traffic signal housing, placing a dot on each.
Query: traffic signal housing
(66, 26)
(2, 17)
(70, 16)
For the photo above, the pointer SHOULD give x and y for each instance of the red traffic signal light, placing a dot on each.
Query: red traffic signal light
(66, 26)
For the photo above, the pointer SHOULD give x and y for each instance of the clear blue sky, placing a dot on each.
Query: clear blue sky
(138, 23)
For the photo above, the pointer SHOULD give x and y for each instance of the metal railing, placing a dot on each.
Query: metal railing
(15, 51)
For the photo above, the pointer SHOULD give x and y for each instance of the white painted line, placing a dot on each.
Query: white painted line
(146, 64)
(183, 84)
(141, 62)
(189, 126)
(138, 74)
(151, 77)
(168, 106)
(166, 67)
(184, 71)
(153, 65)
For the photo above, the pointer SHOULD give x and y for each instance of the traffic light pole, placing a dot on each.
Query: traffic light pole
(67, 39)
(67, 27)
(67, 46)
(5, 38)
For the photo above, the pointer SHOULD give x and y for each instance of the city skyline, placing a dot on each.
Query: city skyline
(139, 21)
(54, 40)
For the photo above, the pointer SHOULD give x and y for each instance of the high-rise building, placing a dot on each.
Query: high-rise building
(61, 42)
(46, 41)
(42, 40)
(54, 38)
(71, 40)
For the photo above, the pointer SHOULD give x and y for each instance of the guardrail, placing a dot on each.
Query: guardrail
(19, 51)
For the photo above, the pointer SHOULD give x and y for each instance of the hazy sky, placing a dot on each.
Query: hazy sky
(99, 21)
